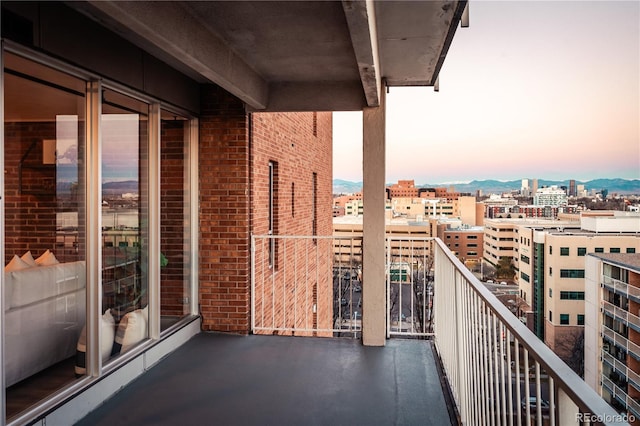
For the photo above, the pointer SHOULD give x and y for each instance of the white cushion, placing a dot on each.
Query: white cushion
(106, 342)
(28, 257)
(47, 258)
(16, 264)
(132, 329)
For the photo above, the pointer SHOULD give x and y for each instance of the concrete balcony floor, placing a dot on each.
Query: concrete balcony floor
(278, 380)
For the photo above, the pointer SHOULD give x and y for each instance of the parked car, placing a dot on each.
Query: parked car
(533, 403)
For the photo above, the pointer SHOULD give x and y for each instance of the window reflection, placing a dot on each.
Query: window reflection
(44, 276)
(124, 128)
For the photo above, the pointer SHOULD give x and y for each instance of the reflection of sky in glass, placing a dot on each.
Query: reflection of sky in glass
(67, 148)
(67, 139)
(120, 138)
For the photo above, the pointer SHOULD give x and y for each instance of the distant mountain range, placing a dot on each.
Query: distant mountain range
(613, 186)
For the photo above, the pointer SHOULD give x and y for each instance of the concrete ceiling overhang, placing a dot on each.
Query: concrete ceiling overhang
(292, 55)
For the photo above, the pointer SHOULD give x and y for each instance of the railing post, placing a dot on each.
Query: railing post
(460, 326)
(567, 409)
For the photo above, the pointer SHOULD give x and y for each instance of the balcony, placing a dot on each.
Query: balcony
(465, 357)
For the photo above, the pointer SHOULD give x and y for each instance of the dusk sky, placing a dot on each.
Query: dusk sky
(537, 89)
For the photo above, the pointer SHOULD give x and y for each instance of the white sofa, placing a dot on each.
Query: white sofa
(45, 310)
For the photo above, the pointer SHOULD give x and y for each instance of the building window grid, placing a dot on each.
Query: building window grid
(571, 273)
(572, 295)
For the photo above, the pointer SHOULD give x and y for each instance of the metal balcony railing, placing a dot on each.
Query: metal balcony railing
(409, 277)
(306, 285)
(498, 371)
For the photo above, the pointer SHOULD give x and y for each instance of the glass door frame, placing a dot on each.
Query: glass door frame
(92, 205)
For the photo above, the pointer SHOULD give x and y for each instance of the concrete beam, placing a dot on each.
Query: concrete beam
(374, 307)
(169, 28)
(316, 96)
(362, 28)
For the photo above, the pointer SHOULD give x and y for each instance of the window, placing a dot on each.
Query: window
(564, 319)
(580, 319)
(175, 231)
(550, 292)
(571, 273)
(582, 251)
(599, 250)
(525, 259)
(550, 316)
(472, 245)
(550, 250)
(44, 182)
(614, 250)
(472, 237)
(315, 124)
(572, 295)
(564, 251)
(550, 271)
(314, 207)
(125, 124)
(631, 250)
(273, 212)
(525, 277)
(293, 199)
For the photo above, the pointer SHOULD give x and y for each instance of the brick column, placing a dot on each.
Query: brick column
(224, 213)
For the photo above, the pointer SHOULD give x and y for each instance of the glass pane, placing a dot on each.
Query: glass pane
(45, 277)
(124, 128)
(175, 261)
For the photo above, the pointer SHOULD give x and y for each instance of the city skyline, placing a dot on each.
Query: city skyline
(530, 89)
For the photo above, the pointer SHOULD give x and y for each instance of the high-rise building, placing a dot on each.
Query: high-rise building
(534, 185)
(524, 188)
(612, 329)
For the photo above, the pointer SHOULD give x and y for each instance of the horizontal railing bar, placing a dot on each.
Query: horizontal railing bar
(307, 237)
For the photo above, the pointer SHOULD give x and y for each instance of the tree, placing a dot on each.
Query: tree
(570, 348)
(505, 268)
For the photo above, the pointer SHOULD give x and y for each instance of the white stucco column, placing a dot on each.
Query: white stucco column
(373, 194)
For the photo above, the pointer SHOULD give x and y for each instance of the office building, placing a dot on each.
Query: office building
(551, 196)
(552, 271)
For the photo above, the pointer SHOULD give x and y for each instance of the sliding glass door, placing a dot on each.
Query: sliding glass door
(44, 230)
(98, 223)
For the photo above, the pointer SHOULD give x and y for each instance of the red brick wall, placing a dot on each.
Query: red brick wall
(224, 213)
(172, 209)
(234, 154)
(301, 146)
(30, 219)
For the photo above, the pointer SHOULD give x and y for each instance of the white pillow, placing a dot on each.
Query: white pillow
(28, 257)
(132, 329)
(106, 343)
(47, 258)
(16, 264)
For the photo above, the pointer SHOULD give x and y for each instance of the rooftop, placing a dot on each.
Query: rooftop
(627, 260)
